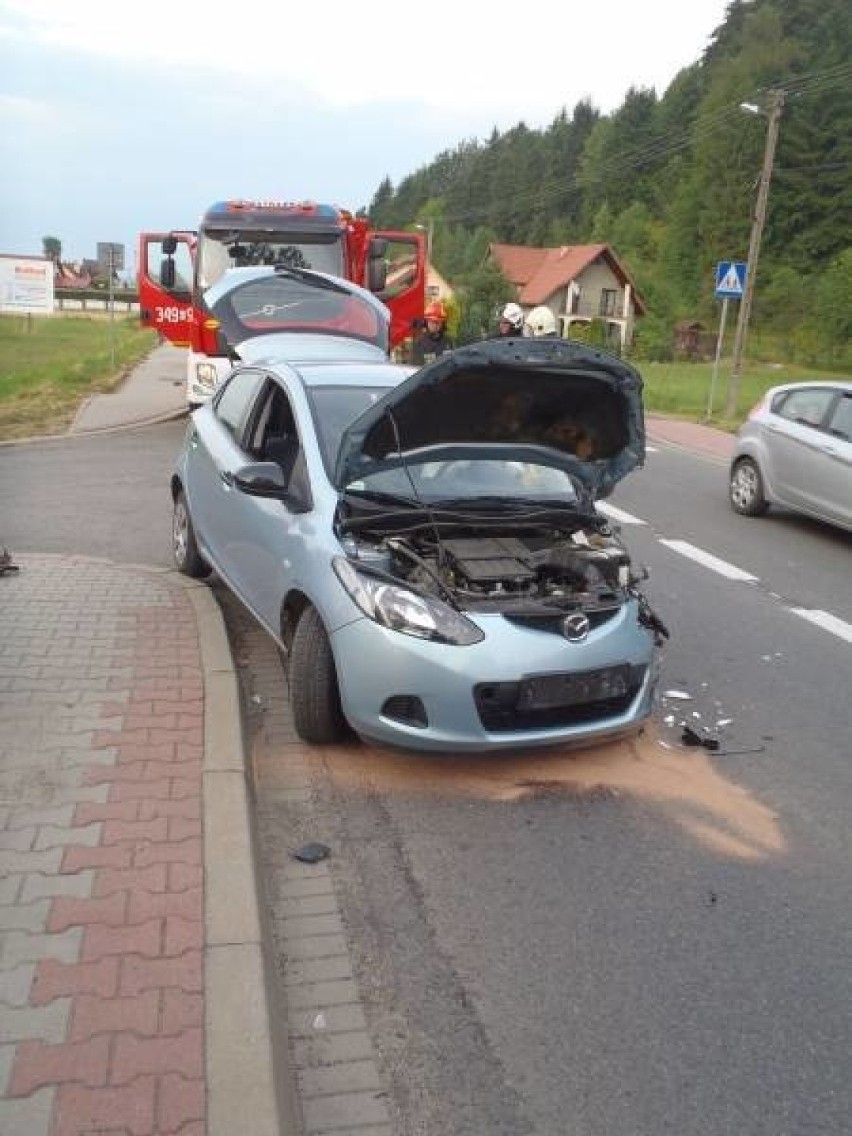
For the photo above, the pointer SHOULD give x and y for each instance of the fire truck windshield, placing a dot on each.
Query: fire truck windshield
(219, 250)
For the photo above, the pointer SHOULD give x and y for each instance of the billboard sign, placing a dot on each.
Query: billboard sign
(26, 284)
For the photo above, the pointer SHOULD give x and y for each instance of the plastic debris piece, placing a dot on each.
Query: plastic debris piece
(691, 737)
(6, 565)
(724, 721)
(319, 1021)
(312, 853)
(695, 714)
(680, 694)
(669, 719)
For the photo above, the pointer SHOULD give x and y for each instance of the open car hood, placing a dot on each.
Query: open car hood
(545, 401)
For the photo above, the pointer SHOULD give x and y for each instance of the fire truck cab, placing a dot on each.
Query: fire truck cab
(175, 269)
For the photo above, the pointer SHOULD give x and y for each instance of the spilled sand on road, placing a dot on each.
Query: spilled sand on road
(682, 782)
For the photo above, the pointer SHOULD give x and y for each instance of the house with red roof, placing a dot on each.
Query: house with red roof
(578, 283)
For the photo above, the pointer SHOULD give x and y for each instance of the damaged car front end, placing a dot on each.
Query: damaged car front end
(500, 609)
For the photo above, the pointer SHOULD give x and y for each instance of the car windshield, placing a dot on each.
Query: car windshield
(470, 480)
(336, 408)
(219, 250)
(292, 300)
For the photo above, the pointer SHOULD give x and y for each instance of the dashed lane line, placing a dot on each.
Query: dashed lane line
(619, 515)
(729, 571)
(826, 621)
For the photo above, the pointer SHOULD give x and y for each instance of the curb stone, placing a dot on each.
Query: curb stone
(246, 1033)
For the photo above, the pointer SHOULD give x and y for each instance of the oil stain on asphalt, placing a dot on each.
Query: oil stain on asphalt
(682, 783)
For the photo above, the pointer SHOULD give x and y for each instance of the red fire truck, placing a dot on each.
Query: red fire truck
(176, 268)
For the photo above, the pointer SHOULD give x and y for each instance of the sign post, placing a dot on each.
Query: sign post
(730, 283)
(111, 258)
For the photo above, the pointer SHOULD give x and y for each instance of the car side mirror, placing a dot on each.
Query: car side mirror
(167, 272)
(169, 246)
(266, 479)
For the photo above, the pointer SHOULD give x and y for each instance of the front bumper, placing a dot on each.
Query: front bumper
(375, 664)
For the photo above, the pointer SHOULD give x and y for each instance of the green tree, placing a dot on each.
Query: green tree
(52, 247)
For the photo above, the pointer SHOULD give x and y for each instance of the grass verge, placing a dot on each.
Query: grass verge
(50, 364)
(682, 390)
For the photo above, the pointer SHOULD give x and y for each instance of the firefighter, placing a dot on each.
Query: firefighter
(511, 321)
(433, 341)
(541, 323)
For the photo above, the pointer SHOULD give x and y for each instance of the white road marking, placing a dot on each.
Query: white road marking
(826, 621)
(618, 514)
(730, 571)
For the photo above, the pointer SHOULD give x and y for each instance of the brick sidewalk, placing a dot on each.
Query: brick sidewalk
(101, 868)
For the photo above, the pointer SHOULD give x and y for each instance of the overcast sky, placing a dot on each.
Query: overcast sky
(118, 117)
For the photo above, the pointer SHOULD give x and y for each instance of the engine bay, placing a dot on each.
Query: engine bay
(525, 573)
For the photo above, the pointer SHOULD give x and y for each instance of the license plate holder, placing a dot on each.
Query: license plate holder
(553, 691)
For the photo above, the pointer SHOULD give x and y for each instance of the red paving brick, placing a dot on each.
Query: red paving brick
(168, 852)
(181, 1010)
(62, 980)
(179, 1102)
(188, 904)
(151, 879)
(138, 974)
(37, 1064)
(139, 939)
(81, 1111)
(139, 1014)
(134, 1056)
(183, 935)
(67, 912)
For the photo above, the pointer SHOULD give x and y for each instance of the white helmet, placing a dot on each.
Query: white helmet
(540, 321)
(513, 314)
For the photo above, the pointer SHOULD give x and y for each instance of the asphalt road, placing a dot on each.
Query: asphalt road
(640, 940)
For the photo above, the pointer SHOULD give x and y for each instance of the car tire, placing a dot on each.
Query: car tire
(314, 692)
(188, 559)
(745, 489)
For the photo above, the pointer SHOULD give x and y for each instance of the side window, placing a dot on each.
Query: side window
(401, 261)
(840, 423)
(183, 269)
(807, 407)
(234, 402)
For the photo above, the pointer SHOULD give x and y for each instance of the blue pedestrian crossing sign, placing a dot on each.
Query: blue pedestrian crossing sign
(730, 279)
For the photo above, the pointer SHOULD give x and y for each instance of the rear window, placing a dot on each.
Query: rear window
(294, 301)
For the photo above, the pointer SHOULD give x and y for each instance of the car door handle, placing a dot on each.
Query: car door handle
(227, 478)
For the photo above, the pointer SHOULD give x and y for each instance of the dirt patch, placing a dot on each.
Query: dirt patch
(683, 783)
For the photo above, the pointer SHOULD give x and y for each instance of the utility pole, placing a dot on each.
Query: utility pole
(776, 104)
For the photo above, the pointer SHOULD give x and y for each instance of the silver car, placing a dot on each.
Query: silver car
(423, 545)
(795, 450)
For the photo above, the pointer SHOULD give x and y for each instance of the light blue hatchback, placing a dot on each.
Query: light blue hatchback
(423, 545)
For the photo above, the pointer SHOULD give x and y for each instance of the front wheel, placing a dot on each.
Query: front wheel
(187, 557)
(314, 693)
(746, 489)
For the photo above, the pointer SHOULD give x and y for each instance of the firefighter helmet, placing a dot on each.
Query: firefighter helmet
(540, 321)
(435, 311)
(513, 314)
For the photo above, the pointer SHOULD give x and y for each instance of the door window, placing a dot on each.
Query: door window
(235, 400)
(807, 407)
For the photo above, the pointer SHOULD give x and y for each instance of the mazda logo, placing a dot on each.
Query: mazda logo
(575, 627)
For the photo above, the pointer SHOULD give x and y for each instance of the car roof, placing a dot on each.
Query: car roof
(810, 384)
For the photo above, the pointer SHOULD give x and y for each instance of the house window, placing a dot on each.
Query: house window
(609, 301)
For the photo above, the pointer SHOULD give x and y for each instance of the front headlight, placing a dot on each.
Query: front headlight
(206, 375)
(424, 617)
